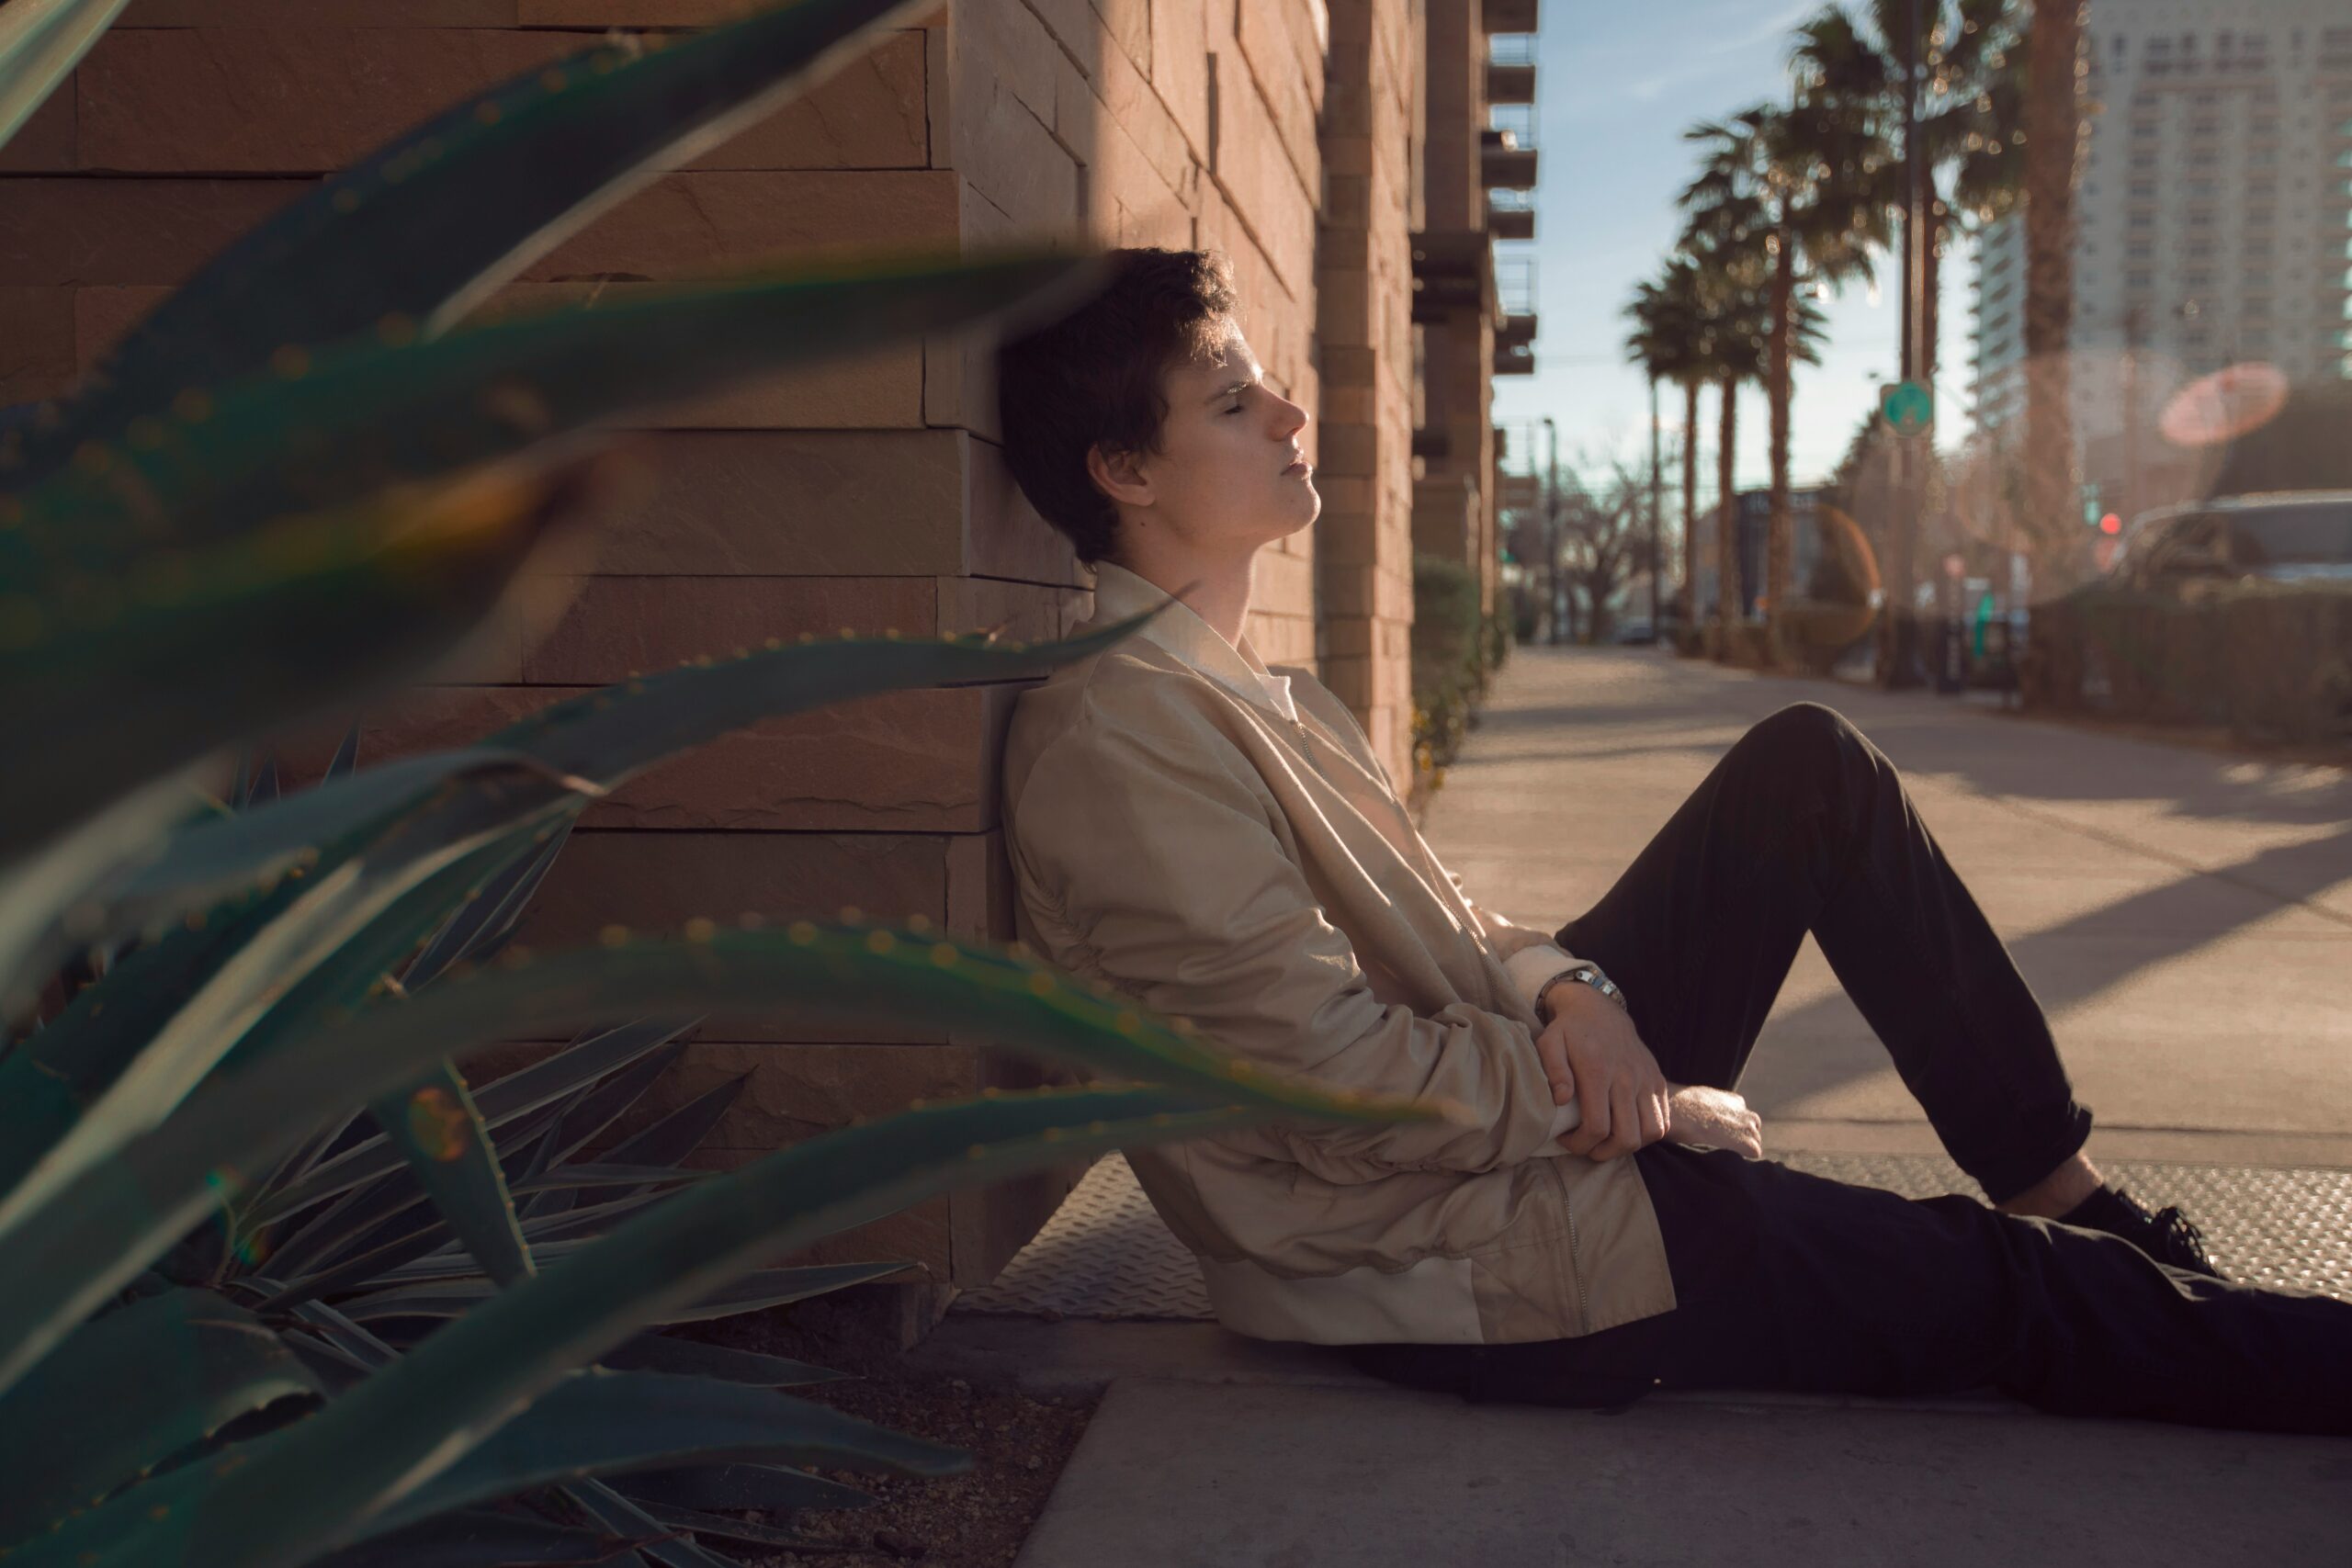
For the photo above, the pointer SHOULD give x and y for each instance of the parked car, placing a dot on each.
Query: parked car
(2284, 537)
(1635, 631)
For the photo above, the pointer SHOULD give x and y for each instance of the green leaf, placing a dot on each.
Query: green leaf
(764, 1488)
(291, 958)
(753, 1293)
(432, 223)
(603, 738)
(607, 1423)
(501, 1102)
(667, 1353)
(477, 931)
(297, 1493)
(625, 1519)
(46, 909)
(728, 1528)
(482, 1539)
(101, 690)
(118, 1215)
(362, 417)
(40, 42)
(127, 1391)
(434, 1124)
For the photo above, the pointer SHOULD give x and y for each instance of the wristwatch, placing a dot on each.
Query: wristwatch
(1583, 974)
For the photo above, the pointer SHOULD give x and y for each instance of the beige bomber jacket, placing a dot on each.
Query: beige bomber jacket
(1177, 834)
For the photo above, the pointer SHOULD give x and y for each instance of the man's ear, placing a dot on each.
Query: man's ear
(1119, 475)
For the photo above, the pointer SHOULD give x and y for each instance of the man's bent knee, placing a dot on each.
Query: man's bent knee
(1804, 739)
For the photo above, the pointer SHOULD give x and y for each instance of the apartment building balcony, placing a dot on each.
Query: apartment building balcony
(1503, 163)
(1510, 82)
(1452, 271)
(1510, 214)
(1519, 361)
(1511, 15)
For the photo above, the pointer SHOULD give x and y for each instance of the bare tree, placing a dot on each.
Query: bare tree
(1604, 529)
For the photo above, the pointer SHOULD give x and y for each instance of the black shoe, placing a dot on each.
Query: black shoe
(2167, 1234)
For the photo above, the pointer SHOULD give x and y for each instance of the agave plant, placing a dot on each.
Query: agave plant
(232, 1339)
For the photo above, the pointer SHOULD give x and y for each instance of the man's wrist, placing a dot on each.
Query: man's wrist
(1587, 976)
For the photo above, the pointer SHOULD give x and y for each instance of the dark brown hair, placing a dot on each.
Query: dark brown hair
(1098, 378)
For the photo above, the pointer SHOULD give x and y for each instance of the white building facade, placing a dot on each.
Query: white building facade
(2215, 224)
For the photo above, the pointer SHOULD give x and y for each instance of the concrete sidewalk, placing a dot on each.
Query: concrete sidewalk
(2185, 917)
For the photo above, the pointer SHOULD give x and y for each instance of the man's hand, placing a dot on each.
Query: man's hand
(1715, 1117)
(1594, 1055)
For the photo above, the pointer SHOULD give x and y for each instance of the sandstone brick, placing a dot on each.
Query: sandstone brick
(1266, 195)
(1009, 44)
(918, 1236)
(283, 13)
(45, 143)
(657, 881)
(989, 1224)
(1180, 67)
(959, 370)
(126, 231)
(1006, 537)
(876, 391)
(619, 626)
(979, 888)
(1284, 583)
(693, 225)
(301, 99)
(1122, 83)
(783, 503)
(1018, 612)
(1008, 156)
(36, 344)
(1130, 24)
(103, 316)
(923, 761)
(1275, 63)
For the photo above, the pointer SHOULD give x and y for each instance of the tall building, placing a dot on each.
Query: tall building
(2215, 222)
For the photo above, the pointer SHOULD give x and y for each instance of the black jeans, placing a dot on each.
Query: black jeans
(1786, 1281)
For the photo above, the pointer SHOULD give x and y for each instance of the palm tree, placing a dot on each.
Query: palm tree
(2052, 131)
(1798, 187)
(1971, 69)
(1669, 342)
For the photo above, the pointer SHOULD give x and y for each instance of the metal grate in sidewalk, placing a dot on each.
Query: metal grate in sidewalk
(1105, 1255)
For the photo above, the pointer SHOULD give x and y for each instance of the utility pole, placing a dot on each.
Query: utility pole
(1551, 534)
(1657, 556)
(1898, 646)
(2135, 328)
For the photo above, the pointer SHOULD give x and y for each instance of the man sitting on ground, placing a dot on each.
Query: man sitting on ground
(1218, 840)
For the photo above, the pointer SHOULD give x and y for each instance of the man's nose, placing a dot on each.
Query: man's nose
(1289, 418)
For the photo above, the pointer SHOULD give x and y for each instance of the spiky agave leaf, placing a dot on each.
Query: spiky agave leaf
(334, 425)
(41, 40)
(588, 744)
(296, 1493)
(113, 1218)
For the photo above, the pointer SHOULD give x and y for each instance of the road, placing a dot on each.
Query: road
(2184, 916)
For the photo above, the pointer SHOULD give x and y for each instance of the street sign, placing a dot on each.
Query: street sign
(1907, 406)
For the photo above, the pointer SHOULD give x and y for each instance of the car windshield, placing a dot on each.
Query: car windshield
(2296, 534)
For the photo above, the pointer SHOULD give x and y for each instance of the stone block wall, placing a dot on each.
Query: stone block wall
(868, 496)
(1365, 319)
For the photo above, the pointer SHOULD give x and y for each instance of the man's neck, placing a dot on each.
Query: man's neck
(1216, 590)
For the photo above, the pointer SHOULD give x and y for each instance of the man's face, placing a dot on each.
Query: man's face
(1230, 470)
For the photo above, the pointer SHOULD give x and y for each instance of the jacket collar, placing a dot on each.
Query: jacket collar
(1120, 593)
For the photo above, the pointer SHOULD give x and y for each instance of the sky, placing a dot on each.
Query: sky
(1618, 86)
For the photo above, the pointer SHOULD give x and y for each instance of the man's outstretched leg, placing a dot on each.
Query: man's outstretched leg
(1787, 1281)
(1804, 825)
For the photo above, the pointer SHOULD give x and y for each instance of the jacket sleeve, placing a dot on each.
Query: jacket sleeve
(1157, 862)
(1529, 958)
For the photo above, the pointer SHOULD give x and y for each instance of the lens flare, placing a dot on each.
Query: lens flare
(2224, 405)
